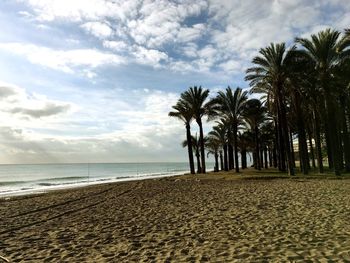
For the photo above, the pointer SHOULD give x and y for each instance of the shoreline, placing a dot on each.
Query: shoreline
(47, 189)
(211, 175)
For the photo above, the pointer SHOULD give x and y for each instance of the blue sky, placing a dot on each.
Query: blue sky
(85, 81)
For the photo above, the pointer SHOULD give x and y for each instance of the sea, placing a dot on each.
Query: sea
(19, 179)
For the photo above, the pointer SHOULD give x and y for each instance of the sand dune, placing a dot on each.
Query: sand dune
(181, 220)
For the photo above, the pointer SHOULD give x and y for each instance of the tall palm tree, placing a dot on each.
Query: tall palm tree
(246, 144)
(230, 104)
(254, 115)
(343, 81)
(196, 148)
(196, 99)
(325, 50)
(271, 70)
(219, 133)
(213, 146)
(183, 112)
(266, 140)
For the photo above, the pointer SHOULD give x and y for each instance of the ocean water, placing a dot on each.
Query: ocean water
(28, 178)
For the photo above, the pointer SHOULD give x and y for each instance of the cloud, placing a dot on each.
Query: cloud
(106, 126)
(75, 10)
(148, 32)
(187, 34)
(63, 60)
(117, 46)
(211, 41)
(161, 21)
(49, 109)
(149, 56)
(8, 91)
(99, 29)
(246, 27)
(20, 146)
(190, 50)
(16, 101)
(231, 66)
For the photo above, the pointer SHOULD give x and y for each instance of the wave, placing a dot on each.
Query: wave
(70, 178)
(9, 183)
(47, 184)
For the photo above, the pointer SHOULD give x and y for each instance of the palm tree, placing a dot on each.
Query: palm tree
(266, 140)
(230, 104)
(213, 145)
(196, 149)
(246, 143)
(254, 115)
(325, 50)
(185, 114)
(343, 81)
(271, 72)
(219, 133)
(196, 99)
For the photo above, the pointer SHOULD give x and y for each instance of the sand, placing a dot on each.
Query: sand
(182, 219)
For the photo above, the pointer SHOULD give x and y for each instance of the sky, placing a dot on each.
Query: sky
(93, 81)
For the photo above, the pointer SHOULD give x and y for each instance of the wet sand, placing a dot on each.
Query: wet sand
(182, 219)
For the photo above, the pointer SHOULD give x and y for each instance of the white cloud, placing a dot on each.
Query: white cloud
(74, 10)
(105, 126)
(231, 66)
(190, 50)
(187, 34)
(63, 60)
(117, 46)
(182, 66)
(150, 23)
(149, 56)
(98, 29)
(233, 28)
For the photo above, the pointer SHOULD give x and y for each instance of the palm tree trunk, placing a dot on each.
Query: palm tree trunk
(221, 161)
(199, 121)
(265, 158)
(328, 146)
(333, 136)
(292, 148)
(199, 169)
(216, 162)
(345, 138)
(225, 157)
(324, 113)
(341, 149)
(303, 151)
(244, 158)
(230, 157)
(281, 144)
(257, 149)
(270, 156)
(347, 148)
(189, 148)
(284, 127)
(274, 156)
(311, 150)
(318, 142)
(235, 141)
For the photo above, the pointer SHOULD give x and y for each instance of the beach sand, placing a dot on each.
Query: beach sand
(182, 219)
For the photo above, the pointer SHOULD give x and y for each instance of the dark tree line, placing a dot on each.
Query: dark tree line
(305, 97)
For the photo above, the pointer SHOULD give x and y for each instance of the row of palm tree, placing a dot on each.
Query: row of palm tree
(305, 97)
